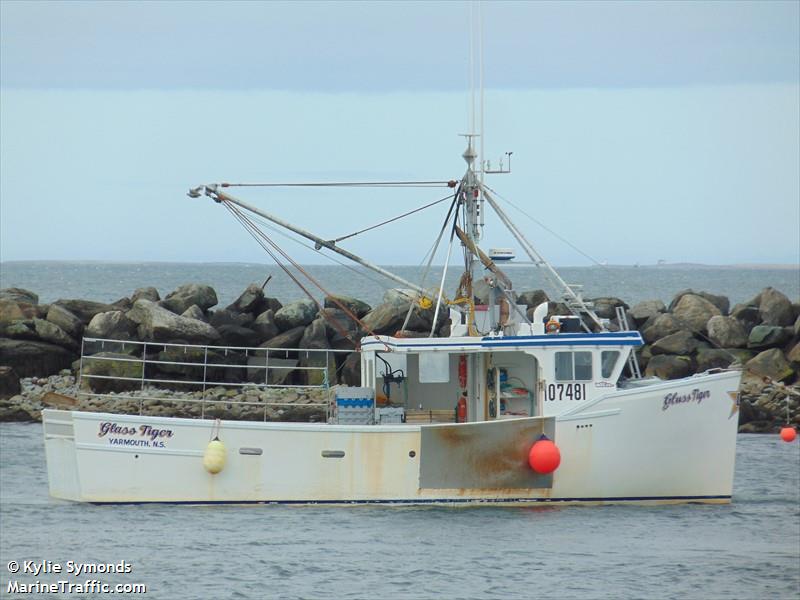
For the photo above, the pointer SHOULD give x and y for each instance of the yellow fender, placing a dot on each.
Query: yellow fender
(214, 456)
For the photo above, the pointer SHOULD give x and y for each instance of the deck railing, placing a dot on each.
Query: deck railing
(138, 367)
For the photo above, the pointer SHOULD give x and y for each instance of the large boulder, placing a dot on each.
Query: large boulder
(645, 310)
(342, 331)
(680, 342)
(667, 366)
(233, 335)
(250, 301)
(34, 359)
(296, 314)
(195, 312)
(775, 308)
(727, 332)
(315, 337)
(747, 315)
(84, 309)
(147, 293)
(793, 356)
(22, 329)
(767, 336)
(606, 307)
(12, 310)
(66, 320)
(287, 339)
(695, 311)
(125, 374)
(662, 326)
(771, 364)
(265, 326)
(721, 302)
(49, 332)
(160, 325)
(19, 295)
(112, 325)
(229, 317)
(351, 370)
(354, 305)
(713, 358)
(9, 382)
(184, 296)
(532, 298)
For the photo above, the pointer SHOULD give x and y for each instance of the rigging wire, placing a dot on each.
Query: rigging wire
(398, 217)
(449, 183)
(546, 228)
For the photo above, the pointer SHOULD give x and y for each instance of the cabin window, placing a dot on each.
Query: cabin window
(608, 360)
(573, 366)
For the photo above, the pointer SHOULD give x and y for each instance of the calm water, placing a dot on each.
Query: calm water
(749, 549)
(107, 282)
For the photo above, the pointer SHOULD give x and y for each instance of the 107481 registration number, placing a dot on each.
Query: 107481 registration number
(565, 391)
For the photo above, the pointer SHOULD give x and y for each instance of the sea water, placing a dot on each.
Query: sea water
(749, 549)
(107, 282)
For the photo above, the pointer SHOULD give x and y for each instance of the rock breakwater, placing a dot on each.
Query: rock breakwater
(40, 347)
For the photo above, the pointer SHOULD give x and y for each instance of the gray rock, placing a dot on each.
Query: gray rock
(646, 309)
(666, 366)
(354, 305)
(775, 308)
(49, 332)
(351, 370)
(229, 317)
(721, 302)
(123, 304)
(399, 296)
(250, 301)
(315, 338)
(680, 342)
(71, 324)
(272, 304)
(11, 310)
(296, 314)
(713, 358)
(9, 382)
(605, 307)
(125, 372)
(160, 325)
(184, 296)
(287, 339)
(85, 310)
(147, 293)
(233, 335)
(21, 330)
(797, 328)
(766, 336)
(112, 325)
(264, 326)
(342, 331)
(727, 332)
(793, 355)
(662, 326)
(19, 295)
(694, 312)
(532, 298)
(195, 312)
(771, 364)
(387, 318)
(29, 358)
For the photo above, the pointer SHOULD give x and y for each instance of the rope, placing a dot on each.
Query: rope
(411, 212)
(261, 237)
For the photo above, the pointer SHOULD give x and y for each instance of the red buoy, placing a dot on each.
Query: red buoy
(788, 434)
(544, 456)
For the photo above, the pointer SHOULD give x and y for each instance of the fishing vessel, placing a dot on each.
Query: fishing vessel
(499, 405)
(501, 254)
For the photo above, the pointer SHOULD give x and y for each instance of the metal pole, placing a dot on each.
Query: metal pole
(213, 192)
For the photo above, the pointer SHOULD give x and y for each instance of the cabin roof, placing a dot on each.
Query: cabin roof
(474, 344)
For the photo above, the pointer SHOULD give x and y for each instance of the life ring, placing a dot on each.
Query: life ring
(552, 326)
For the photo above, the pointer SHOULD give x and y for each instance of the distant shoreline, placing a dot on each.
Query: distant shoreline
(681, 265)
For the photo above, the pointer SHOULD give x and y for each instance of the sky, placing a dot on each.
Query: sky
(640, 131)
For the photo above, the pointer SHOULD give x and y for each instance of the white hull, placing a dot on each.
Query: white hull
(623, 447)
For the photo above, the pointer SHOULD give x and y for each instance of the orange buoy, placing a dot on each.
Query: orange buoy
(544, 456)
(788, 434)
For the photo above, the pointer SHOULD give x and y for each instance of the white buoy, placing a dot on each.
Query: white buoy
(214, 456)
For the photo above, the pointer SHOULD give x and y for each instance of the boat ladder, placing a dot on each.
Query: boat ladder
(633, 362)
